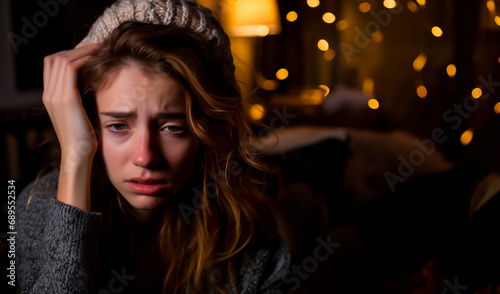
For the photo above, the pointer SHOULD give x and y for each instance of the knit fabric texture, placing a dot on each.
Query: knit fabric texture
(57, 250)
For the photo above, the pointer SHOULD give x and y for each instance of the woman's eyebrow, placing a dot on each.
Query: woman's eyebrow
(117, 114)
(165, 115)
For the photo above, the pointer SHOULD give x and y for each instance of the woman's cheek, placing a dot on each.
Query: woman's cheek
(181, 153)
(113, 153)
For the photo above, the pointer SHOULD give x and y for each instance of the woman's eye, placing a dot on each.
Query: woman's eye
(174, 129)
(117, 127)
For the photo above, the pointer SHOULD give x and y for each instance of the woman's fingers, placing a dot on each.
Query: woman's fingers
(62, 98)
(58, 67)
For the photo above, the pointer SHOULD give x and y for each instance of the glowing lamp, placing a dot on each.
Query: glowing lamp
(251, 18)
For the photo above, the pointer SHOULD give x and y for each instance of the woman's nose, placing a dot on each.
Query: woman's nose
(146, 153)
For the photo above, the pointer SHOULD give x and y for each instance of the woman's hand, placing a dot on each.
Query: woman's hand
(64, 104)
(74, 131)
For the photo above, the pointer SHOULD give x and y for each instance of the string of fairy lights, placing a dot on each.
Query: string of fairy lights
(368, 84)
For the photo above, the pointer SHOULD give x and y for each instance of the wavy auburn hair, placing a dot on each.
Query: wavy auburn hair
(191, 251)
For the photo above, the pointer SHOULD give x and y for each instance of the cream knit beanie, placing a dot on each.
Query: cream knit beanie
(180, 13)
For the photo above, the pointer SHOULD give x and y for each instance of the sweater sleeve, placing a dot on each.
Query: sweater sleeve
(263, 270)
(57, 250)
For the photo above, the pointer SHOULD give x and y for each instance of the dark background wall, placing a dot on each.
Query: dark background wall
(30, 30)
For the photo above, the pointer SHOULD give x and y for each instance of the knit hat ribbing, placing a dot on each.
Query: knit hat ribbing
(180, 13)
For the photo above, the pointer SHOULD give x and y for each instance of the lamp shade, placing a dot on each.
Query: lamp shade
(253, 18)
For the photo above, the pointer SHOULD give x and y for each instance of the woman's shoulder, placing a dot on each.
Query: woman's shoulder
(264, 264)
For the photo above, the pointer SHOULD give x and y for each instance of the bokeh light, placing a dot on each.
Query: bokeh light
(419, 62)
(329, 54)
(292, 16)
(437, 31)
(313, 3)
(412, 6)
(342, 25)
(390, 4)
(467, 136)
(373, 103)
(451, 70)
(329, 17)
(422, 91)
(256, 111)
(364, 7)
(476, 93)
(323, 45)
(491, 5)
(497, 108)
(282, 74)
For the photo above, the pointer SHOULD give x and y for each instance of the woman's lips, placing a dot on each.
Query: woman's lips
(146, 186)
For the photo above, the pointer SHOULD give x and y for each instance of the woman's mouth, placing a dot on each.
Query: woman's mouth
(146, 186)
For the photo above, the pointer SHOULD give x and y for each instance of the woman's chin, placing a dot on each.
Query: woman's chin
(146, 202)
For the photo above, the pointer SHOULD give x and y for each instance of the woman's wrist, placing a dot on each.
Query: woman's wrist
(74, 181)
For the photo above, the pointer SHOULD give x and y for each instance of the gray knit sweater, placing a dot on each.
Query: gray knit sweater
(57, 250)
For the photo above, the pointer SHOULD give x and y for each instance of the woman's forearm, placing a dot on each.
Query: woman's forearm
(74, 181)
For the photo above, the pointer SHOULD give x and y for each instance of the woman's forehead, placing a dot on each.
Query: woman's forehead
(131, 88)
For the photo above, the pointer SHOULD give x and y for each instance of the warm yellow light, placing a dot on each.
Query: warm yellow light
(368, 85)
(329, 54)
(451, 70)
(364, 7)
(252, 18)
(422, 91)
(421, 2)
(497, 20)
(412, 6)
(312, 96)
(256, 111)
(467, 136)
(419, 62)
(282, 74)
(390, 4)
(497, 108)
(437, 31)
(373, 103)
(377, 36)
(269, 85)
(323, 45)
(498, 59)
(491, 5)
(263, 31)
(476, 93)
(313, 3)
(324, 87)
(342, 25)
(329, 17)
(292, 16)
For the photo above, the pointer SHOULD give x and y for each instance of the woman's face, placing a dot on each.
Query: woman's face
(148, 152)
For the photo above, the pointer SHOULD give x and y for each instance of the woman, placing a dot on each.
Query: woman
(156, 192)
